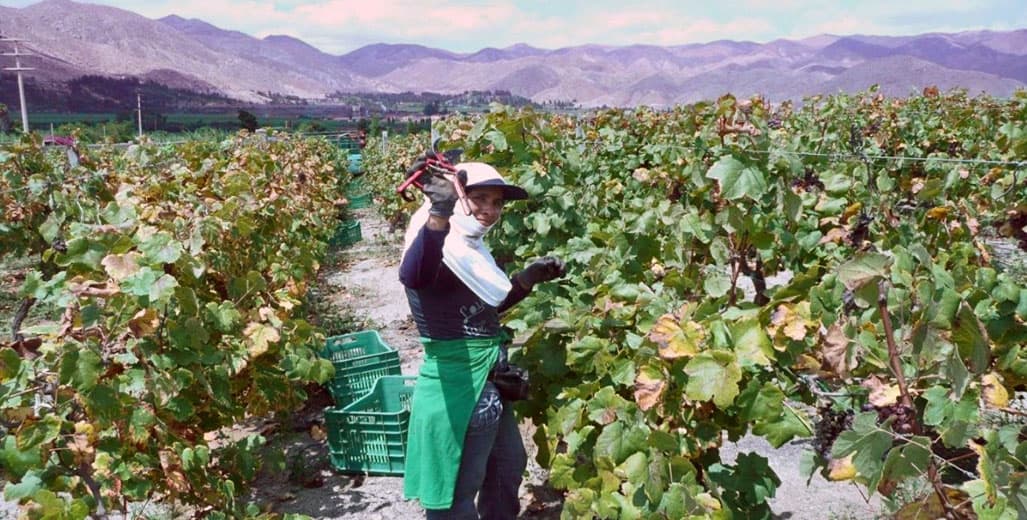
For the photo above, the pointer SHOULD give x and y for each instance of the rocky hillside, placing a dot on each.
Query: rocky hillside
(71, 39)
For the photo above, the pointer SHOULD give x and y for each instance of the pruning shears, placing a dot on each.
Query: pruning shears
(441, 164)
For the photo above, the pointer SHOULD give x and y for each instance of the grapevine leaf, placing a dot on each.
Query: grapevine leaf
(120, 267)
(140, 282)
(841, 469)
(867, 443)
(30, 483)
(51, 227)
(676, 340)
(34, 433)
(785, 428)
(835, 351)
(760, 403)
(881, 394)
(863, 269)
(737, 180)
(82, 369)
(751, 343)
(713, 374)
(635, 469)
(17, 461)
(224, 315)
(909, 461)
(995, 393)
(259, 336)
(649, 387)
(968, 335)
(10, 363)
(140, 423)
(582, 353)
(716, 283)
(161, 248)
(618, 441)
(162, 289)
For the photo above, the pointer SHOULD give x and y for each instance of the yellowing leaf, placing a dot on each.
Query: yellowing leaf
(707, 501)
(880, 393)
(841, 469)
(788, 322)
(938, 213)
(120, 267)
(835, 350)
(807, 363)
(995, 393)
(676, 340)
(259, 336)
(851, 211)
(649, 387)
(836, 235)
(144, 322)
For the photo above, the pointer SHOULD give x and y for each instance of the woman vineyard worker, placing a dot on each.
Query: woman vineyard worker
(463, 439)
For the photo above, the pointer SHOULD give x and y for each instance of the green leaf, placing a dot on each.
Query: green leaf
(140, 282)
(10, 363)
(737, 180)
(161, 248)
(968, 335)
(785, 428)
(751, 343)
(162, 289)
(716, 283)
(28, 486)
(618, 442)
(713, 374)
(50, 228)
(497, 139)
(868, 442)
(635, 469)
(224, 315)
(35, 433)
(82, 368)
(863, 269)
(16, 461)
(139, 425)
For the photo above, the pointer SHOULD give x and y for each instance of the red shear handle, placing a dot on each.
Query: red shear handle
(437, 165)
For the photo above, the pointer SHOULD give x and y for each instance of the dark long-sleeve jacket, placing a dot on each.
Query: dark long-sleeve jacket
(442, 306)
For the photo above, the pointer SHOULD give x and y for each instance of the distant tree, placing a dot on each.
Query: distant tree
(248, 121)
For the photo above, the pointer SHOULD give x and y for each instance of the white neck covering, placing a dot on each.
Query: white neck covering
(465, 254)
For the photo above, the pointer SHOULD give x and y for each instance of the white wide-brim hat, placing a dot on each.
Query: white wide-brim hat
(480, 175)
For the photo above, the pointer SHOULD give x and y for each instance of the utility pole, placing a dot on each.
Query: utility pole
(17, 68)
(139, 112)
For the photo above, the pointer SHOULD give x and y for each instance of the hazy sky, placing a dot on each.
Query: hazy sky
(339, 26)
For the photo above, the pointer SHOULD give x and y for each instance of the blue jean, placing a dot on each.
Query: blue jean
(491, 467)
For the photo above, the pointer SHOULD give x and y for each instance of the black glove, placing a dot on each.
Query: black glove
(439, 189)
(541, 270)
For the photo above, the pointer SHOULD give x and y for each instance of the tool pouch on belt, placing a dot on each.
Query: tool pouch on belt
(512, 383)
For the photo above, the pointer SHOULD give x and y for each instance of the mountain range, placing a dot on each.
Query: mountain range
(71, 39)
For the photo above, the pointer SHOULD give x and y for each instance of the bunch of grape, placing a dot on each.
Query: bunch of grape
(905, 417)
(830, 425)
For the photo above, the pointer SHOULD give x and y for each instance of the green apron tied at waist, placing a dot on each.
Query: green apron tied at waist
(451, 381)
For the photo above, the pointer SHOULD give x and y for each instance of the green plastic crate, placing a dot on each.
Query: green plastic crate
(358, 194)
(360, 201)
(359, 358)
(370, 435)
(355, 161)
(347, 234)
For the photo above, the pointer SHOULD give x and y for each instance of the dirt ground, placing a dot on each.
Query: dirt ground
(366, 283)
